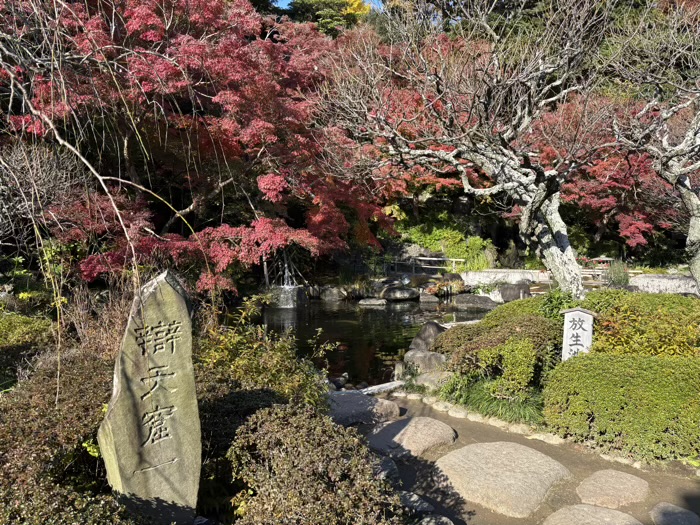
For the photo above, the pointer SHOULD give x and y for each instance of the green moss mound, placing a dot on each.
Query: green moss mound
(645, 406)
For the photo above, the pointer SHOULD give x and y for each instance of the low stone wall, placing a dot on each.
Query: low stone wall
(491, 277)
(657, 283)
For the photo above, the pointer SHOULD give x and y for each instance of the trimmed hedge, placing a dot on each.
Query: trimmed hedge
(645, 324)
(489, 348)
(645, 406)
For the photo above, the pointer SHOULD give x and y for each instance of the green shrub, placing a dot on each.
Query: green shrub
(302, 468)
(478, 253)
(464, 344)
(645, 406)
(256, 360)
(513, 364)
(554, 302)
(645, 324)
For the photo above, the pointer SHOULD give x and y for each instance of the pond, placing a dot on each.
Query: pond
(368, 341)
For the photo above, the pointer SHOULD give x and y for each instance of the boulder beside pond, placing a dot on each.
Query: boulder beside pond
(513, 292)
(399, 293)
(467, 301)
(423, 361)
(424, 340)
(354, 407)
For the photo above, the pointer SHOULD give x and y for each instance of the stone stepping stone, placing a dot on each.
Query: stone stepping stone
(589, 515)
(507, 478)
(668, 514)
(352, 407)
(415, 435)
(612, 489)
(414, 397)
(430, 400)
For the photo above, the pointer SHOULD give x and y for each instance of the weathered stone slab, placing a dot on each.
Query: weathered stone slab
(651, 283)
(353, 407)
(382, 388)
(414, 503)
(423, 361)
(414, 436)
(589, 515)
(372, 303)
(668, 514)
(513, 292)
(433, 380)
(150, 438)
(507, 478)
(612, 489)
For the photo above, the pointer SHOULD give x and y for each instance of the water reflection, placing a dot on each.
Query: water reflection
(368, 340)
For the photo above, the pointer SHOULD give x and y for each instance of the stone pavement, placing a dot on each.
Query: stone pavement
(500, 474)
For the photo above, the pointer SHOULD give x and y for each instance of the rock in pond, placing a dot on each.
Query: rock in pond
(428, 298)
(353, 407)
(372, 302)
(467, 301)
(507, 478)
(399, 293)
(415, 436)
(332, 294)
(513, 292)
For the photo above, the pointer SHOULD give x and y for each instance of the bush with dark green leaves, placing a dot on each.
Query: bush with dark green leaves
(49, 475)
(645, 406)
(303, 469)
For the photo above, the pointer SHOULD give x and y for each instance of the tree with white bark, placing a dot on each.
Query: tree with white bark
(458, 93)
(655, 59)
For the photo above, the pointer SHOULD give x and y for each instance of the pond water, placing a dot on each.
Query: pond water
(368, 341)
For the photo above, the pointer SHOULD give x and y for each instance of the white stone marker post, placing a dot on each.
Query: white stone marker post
(578, 332)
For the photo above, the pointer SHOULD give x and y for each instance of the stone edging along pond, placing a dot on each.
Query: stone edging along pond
(455, 411)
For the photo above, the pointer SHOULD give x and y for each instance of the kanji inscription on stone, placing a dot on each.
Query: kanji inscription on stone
(578, 332)
(150, 438)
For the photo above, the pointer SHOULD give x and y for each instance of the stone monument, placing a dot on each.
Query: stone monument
(150, 438)
(578, 332)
